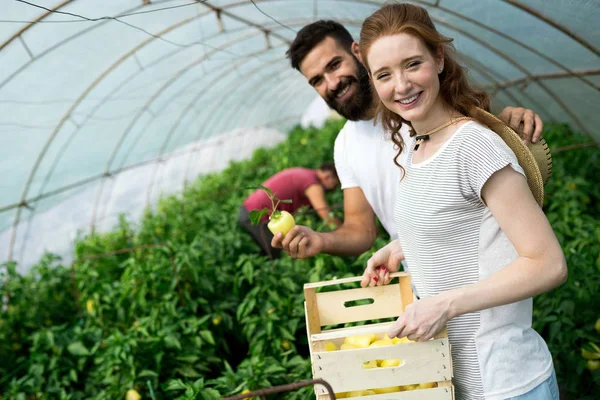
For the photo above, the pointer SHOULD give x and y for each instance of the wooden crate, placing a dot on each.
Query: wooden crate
(422, 362)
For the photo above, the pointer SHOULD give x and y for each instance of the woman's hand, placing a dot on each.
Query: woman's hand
(385, 260)
(423, 319)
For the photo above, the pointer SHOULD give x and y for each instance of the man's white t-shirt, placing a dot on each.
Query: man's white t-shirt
(364, 157)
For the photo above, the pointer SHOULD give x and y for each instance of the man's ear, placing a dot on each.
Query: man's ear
(356, 52)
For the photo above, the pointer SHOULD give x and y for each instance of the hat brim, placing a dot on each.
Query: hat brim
(533, 159)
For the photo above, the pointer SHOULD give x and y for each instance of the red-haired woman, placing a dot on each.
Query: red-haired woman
(477, 244)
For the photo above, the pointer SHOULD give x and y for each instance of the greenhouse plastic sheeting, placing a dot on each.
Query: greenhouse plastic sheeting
(103, 100)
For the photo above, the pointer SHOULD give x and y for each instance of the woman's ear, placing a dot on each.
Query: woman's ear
(356, 52)
(440, 59)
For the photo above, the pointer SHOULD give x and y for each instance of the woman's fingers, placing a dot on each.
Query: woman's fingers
(369, 274)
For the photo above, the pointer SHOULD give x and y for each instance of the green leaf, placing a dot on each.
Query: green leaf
(172, 343)
(176, 384)
(257, 215)
(146, 373)
(187, 359)
(289, 201)
(188, 372)
(78, 349)
(207, 336)
(210, 394)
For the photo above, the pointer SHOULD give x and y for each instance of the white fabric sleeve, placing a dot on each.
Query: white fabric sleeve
(482, 153)
(341, 160)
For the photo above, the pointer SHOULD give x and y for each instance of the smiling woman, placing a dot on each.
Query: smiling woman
(404, 59)
(474, 260)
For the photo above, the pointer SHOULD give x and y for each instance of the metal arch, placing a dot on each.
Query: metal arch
(519, 43)
(59, 126)
(523, 70)
(156, 94)
(555, 24)
(458, 15)
(195, 148)
(185, 179)
(256, 101)
(57, 45)
(131, 167)
(483, 70)
(108, 97)
(5, 208)
(532, 75)
(107, 171)
(98, 79)
(258, 0)
(245, 21)
(212, 116)
(554, 75)
(68, 114)
(216, 103)
(191, 104)
(32, 23)
(491, 48)
(467, 61)
(293, 94)
(40, 192)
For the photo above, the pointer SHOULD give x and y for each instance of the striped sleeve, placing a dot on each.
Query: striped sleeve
(482, 153)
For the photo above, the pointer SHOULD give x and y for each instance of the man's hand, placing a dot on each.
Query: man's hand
(299, 242)
(385, 260)
(525, 122)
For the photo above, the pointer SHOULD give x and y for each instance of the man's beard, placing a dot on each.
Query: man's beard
(358, 106)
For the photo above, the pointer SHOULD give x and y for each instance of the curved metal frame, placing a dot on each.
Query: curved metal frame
(138, 115)
(216, 103)
(228, 10)
(555, 24)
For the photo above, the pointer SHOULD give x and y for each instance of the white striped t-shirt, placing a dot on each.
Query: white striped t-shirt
(450, 240)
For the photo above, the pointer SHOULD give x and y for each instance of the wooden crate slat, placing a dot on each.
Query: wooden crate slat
(387, 302)
(439, 393)
(378, 329)
(348, 280)
(422, 362)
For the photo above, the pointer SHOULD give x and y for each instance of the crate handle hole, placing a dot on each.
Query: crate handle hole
(383, 364)
(359, 302)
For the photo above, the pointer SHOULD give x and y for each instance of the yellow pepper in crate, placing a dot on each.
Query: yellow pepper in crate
(394, 362)
(360, 341)
(330, 346)
(370, 364)
(391, 389)
(358, 393)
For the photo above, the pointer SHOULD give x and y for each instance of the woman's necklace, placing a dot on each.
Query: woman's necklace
(421, 138)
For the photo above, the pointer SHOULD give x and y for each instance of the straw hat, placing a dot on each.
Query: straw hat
(535, 159)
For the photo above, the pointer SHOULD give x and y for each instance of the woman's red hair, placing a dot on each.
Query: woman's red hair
(455, 90)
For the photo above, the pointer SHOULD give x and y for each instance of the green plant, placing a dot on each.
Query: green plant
(181, 305)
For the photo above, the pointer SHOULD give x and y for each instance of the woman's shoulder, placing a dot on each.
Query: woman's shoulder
(476, 137)
(475, 130)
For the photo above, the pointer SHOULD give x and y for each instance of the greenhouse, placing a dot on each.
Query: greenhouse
(135, 134)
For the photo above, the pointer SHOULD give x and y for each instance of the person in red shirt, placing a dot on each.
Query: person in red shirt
(301, 185)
